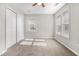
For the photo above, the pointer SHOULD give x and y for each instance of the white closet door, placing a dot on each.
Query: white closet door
(10, 28)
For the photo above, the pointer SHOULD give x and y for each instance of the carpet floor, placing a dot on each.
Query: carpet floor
(38, 47)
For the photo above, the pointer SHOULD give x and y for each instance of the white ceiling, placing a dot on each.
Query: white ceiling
(27, 8)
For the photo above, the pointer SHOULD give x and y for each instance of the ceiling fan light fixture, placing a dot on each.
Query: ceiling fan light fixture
(39, 4)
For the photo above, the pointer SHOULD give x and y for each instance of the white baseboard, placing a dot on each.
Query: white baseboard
(3, 52)
(68, 47)
(45, 38)
(39, 38)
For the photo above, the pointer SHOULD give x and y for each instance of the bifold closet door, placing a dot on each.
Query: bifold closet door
(10, 28)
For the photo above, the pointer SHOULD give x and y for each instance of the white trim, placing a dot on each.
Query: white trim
(68, 47)
(3, 52)
(39, 38)
(44, 37)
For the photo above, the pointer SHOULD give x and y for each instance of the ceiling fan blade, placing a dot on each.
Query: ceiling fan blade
(43, 5)
(34, 4)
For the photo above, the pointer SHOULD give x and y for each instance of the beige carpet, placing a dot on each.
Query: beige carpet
(38, 47)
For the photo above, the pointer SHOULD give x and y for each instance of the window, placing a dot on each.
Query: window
(65, 24)
(32, 27)
(58, 25)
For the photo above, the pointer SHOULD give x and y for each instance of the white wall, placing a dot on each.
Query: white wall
(2, 28)
(44, 26)
(20, 27)
(74, 38)
(7, 22)
(73, 42)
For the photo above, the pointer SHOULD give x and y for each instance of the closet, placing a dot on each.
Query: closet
(10, 28)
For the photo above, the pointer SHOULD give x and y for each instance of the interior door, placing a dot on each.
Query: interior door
(10, 28)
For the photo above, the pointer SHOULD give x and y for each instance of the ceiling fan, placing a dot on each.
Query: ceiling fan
(39, 4)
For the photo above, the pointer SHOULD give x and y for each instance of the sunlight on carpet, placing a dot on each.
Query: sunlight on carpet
(40, 40)
(25, 43)
(39, 44)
